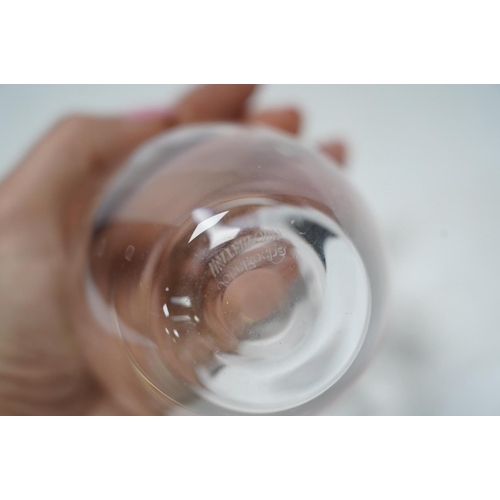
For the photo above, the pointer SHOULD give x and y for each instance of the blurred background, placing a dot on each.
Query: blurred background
(427, 160)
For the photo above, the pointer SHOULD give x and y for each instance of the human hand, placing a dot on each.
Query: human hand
(46, 210)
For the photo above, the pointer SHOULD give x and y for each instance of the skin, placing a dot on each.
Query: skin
(46, 208)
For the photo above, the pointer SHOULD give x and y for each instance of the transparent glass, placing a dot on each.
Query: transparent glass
(240, 271)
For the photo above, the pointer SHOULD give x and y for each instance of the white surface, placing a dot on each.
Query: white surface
(427, 159)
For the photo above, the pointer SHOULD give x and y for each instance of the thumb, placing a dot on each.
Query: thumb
(78, 155)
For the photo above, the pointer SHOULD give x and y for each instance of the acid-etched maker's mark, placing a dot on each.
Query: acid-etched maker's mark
(238, 246)
(275, 255)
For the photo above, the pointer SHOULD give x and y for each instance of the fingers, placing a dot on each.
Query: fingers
(214, 103)
(287, 119)
(336, 150)
(68, 168)
(81, 152)
(290, 120)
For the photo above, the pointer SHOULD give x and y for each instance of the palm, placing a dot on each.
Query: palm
(42, 369)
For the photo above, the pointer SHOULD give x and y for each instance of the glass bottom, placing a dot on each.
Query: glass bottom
(254, 305)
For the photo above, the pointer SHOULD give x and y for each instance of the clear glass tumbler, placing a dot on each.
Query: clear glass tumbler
(238, 270)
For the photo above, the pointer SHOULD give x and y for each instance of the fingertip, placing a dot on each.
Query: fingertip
(215, 103)
(286, 119)
(337, 151)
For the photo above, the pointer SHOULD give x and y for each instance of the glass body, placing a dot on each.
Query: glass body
(238, 270)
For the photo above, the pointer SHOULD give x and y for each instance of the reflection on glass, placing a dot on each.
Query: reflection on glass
(242, 272)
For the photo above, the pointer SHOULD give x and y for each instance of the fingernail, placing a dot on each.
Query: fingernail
(151, 114)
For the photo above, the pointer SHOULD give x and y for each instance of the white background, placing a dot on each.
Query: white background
(427, 159)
